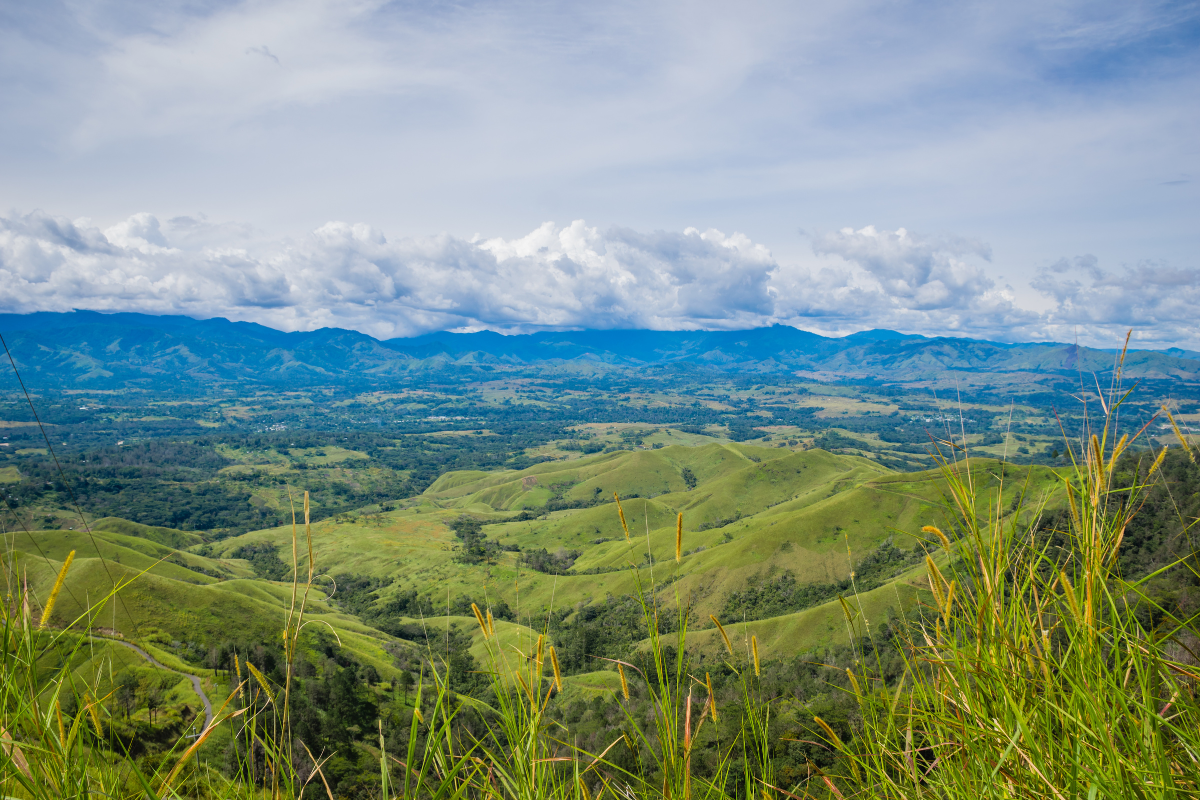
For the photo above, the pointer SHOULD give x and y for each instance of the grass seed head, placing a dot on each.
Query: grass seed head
(491, 623)
(754, 650)
(679, 538)
(833, 737)
(621, 514)
(262, 681)
(938, 533)
(624, 680)
(1158, 461)
(58, 584)
(479, 618)
(62, 731)
(712, 697)
(721, 630)
(557, 671)
(94, 713)
(1179, 435)
(853, 682)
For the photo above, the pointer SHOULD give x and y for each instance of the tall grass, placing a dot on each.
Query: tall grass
(1030, 674)
(1034, 674)
(56, 734)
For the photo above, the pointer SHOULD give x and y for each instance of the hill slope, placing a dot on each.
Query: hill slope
(760, 524)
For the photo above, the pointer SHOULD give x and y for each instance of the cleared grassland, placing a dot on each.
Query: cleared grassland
(163, 605)
(764, 511)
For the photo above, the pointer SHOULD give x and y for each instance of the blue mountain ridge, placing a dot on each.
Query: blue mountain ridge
(87, 348)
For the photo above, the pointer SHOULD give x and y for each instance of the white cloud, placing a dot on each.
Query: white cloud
(353, 276)
(919, 273)
(1157, 300)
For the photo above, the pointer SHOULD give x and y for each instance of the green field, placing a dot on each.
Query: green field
(755, 512)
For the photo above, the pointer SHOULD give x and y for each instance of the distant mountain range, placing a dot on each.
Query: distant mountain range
(89, 349)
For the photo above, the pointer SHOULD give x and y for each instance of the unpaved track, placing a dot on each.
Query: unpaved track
(208, 712)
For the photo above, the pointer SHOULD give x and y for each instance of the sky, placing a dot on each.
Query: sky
(1013, 171)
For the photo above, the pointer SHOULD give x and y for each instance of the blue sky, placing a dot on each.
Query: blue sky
(1018, 170)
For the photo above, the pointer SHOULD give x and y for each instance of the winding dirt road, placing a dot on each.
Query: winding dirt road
(208, 712)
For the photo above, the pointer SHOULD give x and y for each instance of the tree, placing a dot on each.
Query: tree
(406, 682)
(126, 692)
(350, 704)
(689, 478)
(475, 547)
(154, 701)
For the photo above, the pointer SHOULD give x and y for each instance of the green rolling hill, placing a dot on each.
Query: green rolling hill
(770, 539)
(756, 514)
(166, 604)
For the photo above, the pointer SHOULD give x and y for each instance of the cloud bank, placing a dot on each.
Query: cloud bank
(353, 276)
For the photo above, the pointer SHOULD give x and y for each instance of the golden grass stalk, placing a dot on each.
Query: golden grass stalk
(237, 665)
(1069, 593)
(479, 618)
(949, 602)
(1179, 435)
(621, 514)
(491, 623)
(724, 635)
(262, 681)
(557, 671)
(936, 583)
(94, 714)
(712, 696)
(541, 643)
(62, 731)
(679, 537)
(624, 680)
(833, 737)
(58, 584)
(1158, 461)
(754, 650)
(938, 533)
(583, 790)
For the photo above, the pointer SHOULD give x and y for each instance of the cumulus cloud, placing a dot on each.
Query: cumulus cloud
(1156, 299)
(354, 276)
(917, 272)
(910, 281)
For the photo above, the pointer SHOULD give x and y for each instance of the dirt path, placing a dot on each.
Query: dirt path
(208, 712)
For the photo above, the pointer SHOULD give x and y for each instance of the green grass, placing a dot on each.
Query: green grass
(810, 512)
(168, 537)
(171, 604)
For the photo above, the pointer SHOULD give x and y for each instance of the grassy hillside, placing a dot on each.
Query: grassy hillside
(167, 606)
(771, 537)
(753, 515)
